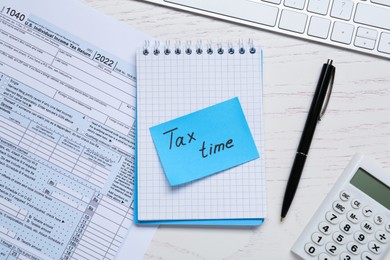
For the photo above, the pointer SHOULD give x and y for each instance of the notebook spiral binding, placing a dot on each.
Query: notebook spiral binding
(199, 48)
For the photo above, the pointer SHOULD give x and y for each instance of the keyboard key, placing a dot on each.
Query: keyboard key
(364, 43)
(293, 21)
(325, 228)
(250, 11)
(356, 204)
(353, 217)
(353, 248)
(373, 15)
(345, 256)
(342, 32)
(297, 4)
(323, 256)
(367, 256)
(381, 237)
(339, 237)
(381, 2)
(339, 207)
(368, 34)
(379, 219)
(332, 248)
(367, 226)
(332, 217)
(360, 237)
(344, 196)
(318, 6)
(346, 227)
(367, 211)
(384, 46)
(319, 27)
(318, 238)
(342, 9)
(375, 247)
(311, 249)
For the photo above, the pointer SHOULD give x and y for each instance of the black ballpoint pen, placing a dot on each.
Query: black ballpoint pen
(317, 109)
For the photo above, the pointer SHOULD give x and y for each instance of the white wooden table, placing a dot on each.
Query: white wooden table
(357, 120)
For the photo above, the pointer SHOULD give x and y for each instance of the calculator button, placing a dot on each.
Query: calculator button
(339, 238)
(378, 219)
(367, 226)
(332, 217)
(332, 249)
(356, 204)
(374, 247)
(345, 256)
(367, 256)
(311, 249)
(353, 248)
(323, 256)
(360, 237)
(388, 227)
(346, 227)
(318, 238)
(367, 211)
(344, 196)
(352, 216)
(324, 227)
(338, 207)
(381, 237)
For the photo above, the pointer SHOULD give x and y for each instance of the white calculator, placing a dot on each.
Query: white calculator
(353, 222)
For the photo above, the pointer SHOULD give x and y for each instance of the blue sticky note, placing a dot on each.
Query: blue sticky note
(204, 142)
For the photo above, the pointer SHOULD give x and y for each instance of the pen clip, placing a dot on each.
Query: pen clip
(327, 98)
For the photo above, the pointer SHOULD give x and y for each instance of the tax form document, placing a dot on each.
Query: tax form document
(67, 114)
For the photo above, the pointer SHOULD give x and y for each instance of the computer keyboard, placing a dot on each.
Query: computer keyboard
(362, 26)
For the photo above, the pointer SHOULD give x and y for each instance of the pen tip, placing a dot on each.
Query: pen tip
(281, 220)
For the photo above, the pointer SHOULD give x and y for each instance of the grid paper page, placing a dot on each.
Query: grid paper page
(169, 86)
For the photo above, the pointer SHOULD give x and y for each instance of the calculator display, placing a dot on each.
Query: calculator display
(372, 187)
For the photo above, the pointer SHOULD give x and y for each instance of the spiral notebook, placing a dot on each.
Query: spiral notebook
(174, 81)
